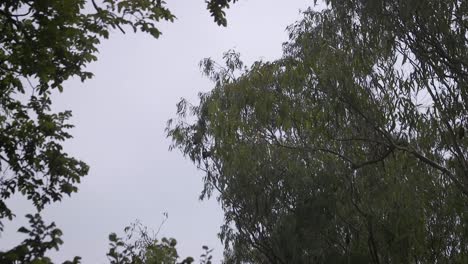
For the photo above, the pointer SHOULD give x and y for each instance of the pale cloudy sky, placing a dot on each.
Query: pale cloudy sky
(120, 117)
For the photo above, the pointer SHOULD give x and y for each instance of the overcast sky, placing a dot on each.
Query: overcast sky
(120, 117)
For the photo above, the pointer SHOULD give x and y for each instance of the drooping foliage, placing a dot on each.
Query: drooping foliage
(348, 149)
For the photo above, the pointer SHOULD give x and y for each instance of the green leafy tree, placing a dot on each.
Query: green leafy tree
(141, 246)
(42, 238)
(348, 149)
(43, 43)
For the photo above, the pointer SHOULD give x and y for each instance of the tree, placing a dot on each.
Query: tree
(348, 149)
(141, 246)
(43, 43)
(32, 250)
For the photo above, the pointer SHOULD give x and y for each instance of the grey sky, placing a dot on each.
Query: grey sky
(120, 117)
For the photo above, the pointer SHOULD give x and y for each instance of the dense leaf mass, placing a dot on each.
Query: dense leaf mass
(348, 149)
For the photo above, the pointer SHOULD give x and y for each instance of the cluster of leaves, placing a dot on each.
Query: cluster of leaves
(216, 8)
(43, 43)
(141, 246)
(348, 149)
(32, 250)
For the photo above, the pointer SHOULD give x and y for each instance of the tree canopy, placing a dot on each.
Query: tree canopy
(44, 43)
(350, 148)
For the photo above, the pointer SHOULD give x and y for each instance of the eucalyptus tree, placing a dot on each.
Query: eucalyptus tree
(43, 43)
(348, 149)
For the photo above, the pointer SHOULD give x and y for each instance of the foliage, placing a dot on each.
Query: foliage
(32, 250)
(348, 149)
(141, 246)
(43, 43)
(216, 8)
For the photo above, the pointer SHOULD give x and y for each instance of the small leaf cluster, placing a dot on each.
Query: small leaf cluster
(216, 8)
(42, 238)
(141, 246)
